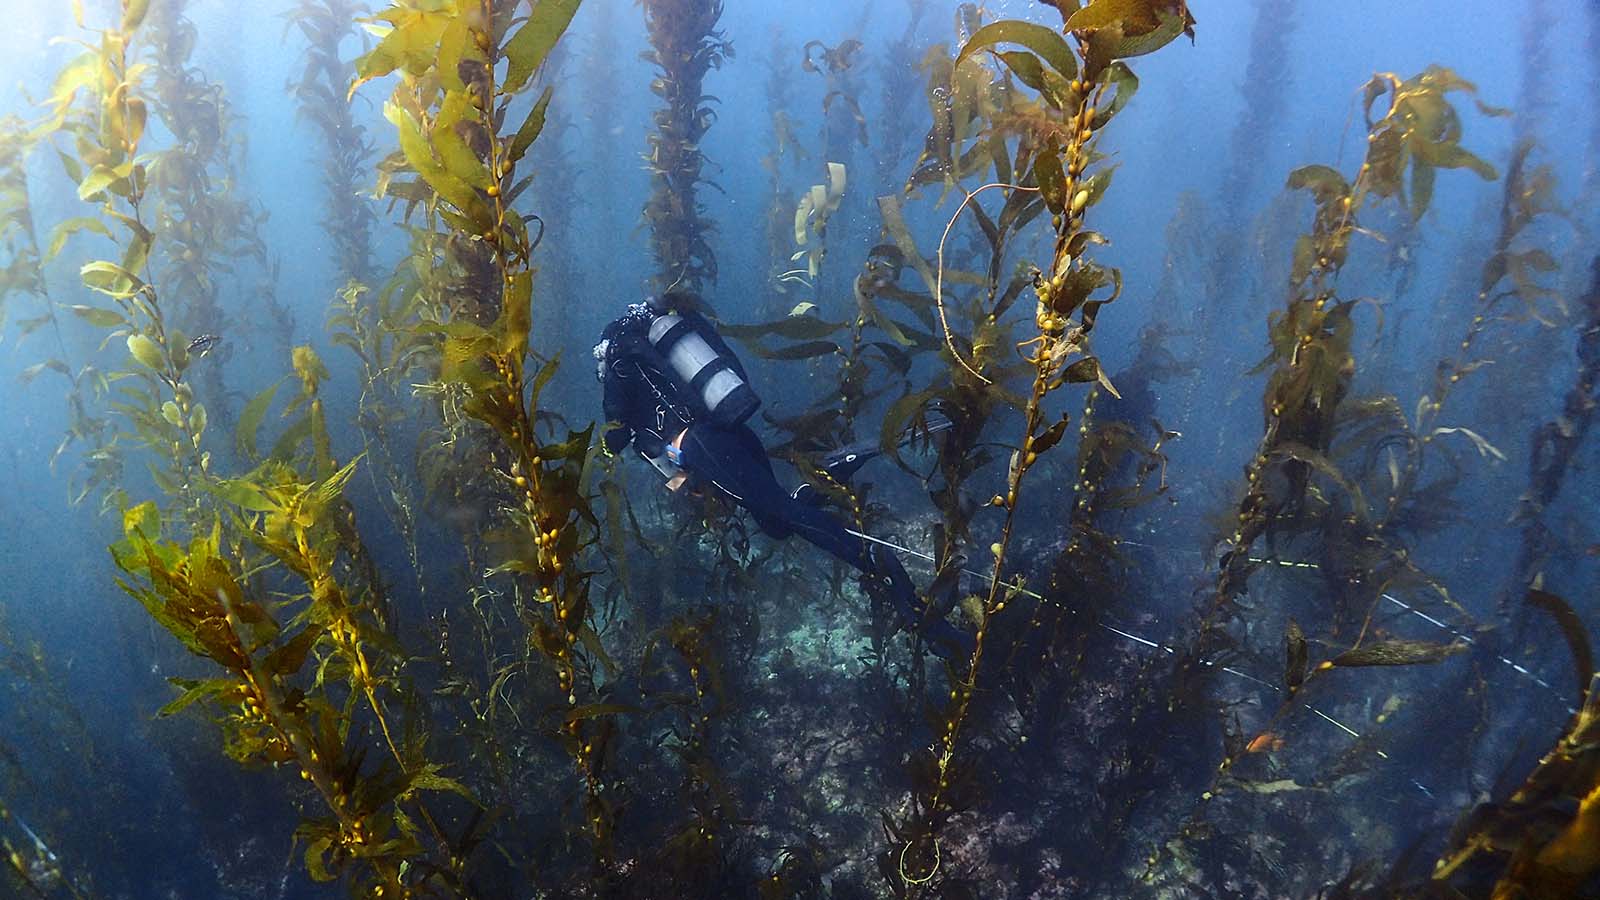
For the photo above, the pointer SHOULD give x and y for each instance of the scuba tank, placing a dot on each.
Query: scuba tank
(710, 375)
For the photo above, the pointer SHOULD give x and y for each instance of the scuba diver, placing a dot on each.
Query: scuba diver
(676, 391)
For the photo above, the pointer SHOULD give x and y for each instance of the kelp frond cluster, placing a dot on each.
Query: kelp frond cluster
(685, 45)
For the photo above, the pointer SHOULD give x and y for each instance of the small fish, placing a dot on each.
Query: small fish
(204, 344)
(1265, 742)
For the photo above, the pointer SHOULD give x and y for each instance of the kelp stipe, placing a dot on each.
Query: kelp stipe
(1311, 359)
(1074, 104)
(1539, 840)
(22, 275)
(1308, 487)
(843, 126)
(267, 713)
(374, 325)
(696, 853)
(450, 109)
(896, 138)
(1555, 446)
(186, 560)
(32, 863)
(1512, 290)
(202, 222)
(835, 65)
(346, 151)
(685, 45)
(378, 327)
(784, 152)
(1267, 77)
(98, 104)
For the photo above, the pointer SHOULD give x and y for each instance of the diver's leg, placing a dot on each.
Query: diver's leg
(734, 460)
(737, 464)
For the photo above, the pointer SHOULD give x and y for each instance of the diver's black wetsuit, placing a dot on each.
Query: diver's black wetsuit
(650, 407)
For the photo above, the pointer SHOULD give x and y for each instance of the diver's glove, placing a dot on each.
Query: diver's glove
(617, 438)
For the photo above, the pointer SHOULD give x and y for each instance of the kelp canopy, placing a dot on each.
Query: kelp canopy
(1242, 436)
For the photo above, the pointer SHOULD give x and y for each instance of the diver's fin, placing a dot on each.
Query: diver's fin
(807, 493)
(842, 465)
(942, 639)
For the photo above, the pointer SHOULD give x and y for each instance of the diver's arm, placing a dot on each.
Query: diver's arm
(629, 400)
(618, 433)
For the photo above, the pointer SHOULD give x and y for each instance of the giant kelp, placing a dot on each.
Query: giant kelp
(843, 123)
(448, 108)
(23, 276)
(1311, 359)
(896, 135)
(203, 224)
(1081, 88)
(1350, 481)
(31, 861)
(366, 323)
(726, 723)
(201, 562)
(784, 152)
(1267, 77)
(685, 45)
(1540, 840)
(1554, 447)
(346, 150)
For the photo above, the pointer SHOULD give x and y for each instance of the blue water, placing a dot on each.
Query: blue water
(107, 800)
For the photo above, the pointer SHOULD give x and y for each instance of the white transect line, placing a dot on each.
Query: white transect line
(39, 846)
(1462, 636)
(1288, 564)
(1137, 639)
(1515, 666)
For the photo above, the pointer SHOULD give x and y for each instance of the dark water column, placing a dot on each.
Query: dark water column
(1555, 446)
(899, 137)
(1265, 89)
(1533, 102)
(685, 44)
(1592, 175)
(320, 95)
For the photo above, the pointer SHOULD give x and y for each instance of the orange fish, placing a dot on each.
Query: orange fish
(1265, 741)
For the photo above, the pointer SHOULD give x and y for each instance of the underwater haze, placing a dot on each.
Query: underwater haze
(1173, 474)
